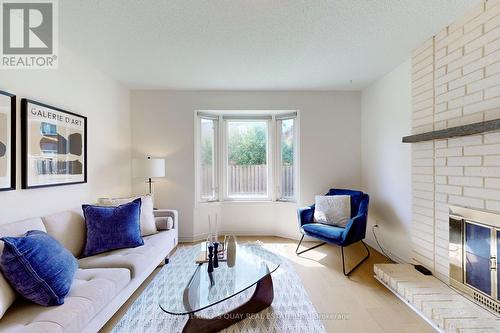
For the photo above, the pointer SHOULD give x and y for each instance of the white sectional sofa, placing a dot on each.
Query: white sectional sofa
(102, 283)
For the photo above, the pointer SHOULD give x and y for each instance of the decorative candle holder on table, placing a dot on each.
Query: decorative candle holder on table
(221, 248)
(210, 268)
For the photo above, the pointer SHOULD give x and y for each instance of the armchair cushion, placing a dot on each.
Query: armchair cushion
(324, 232)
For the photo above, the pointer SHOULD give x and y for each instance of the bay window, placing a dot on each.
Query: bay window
(249, 157)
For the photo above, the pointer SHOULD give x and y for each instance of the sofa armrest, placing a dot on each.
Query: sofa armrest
(167, 213)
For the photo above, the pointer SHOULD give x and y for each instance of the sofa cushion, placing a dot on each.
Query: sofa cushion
(324, 232)
(135, 259)
(7, 295)
(91, 291)
(38, 267)
(16, 229)
(68, 228)
(110, 228)
(148, 226)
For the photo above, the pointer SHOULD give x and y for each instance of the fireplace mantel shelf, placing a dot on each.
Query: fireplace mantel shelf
(476, 128)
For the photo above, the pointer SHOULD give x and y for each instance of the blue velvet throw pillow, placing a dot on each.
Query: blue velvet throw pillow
(111, 228)
(38, 267)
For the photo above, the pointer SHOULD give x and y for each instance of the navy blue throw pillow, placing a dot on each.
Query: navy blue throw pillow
(38, 267)
(110, 228)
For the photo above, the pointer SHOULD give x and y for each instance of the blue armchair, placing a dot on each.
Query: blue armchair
(353, 232)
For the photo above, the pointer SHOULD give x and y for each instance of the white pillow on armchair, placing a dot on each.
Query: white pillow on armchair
(333, 210)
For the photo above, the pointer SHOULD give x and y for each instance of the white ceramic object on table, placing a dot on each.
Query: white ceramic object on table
(231, 251)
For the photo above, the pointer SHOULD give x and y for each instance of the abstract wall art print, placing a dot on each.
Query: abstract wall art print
(7, 141)
(54, 146)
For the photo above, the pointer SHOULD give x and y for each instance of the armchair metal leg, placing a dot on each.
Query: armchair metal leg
(300, 242)
(357, 265)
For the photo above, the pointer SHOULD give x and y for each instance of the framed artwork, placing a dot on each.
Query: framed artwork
(7, 141)
(54, 146)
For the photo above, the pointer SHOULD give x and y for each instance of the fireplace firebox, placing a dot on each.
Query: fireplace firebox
(474, 255)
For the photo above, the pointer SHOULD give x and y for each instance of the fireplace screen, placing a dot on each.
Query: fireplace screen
(477, 257)
(474, 245)
(497, 232)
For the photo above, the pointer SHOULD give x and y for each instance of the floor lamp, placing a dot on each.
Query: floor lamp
(147, 169)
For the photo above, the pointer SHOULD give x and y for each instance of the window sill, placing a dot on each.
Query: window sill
(250, 201)
(238, 202)
(285, 202)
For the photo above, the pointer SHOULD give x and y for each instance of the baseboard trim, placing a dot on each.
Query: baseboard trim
(375, 246)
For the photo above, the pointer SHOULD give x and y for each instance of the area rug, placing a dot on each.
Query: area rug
(291, 310)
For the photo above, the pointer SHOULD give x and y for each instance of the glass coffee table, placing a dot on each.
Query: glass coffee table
(253, 267)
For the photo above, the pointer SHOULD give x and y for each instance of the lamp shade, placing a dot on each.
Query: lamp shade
(148, 168)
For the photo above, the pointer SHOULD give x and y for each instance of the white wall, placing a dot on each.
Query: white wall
(330, 148)
(386, 161)
(79, 88)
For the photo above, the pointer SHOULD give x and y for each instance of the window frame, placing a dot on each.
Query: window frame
(225, 163)
(215, 152)
(220, 149)
(279, 158)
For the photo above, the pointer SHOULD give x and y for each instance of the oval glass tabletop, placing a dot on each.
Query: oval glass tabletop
(253, 263)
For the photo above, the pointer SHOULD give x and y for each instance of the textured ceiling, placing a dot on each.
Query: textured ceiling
(251, 44)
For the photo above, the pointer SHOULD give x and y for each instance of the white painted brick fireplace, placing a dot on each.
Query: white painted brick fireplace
(455, 81)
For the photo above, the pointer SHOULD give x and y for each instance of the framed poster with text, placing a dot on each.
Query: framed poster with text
(7, 141)
(54, 146)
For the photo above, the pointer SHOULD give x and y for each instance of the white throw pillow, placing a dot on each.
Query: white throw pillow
(333, 209)
(148, 225)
